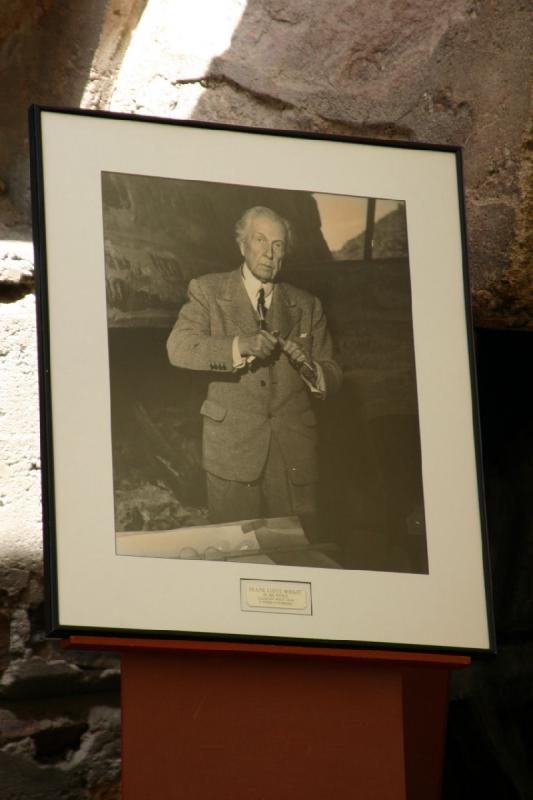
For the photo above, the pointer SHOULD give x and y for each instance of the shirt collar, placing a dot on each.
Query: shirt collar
(252, 286)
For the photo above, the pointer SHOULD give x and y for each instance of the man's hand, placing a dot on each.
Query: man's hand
(260, 345)
(295, 353)
(310, 372)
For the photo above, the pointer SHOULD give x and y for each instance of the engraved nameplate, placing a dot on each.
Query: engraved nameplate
(281, 597)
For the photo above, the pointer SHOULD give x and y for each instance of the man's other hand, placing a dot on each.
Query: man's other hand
(260, 345)
(295, 353)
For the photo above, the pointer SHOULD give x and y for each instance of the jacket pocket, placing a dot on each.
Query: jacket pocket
(213, 410)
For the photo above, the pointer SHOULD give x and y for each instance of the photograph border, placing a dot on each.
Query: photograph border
(56, 624)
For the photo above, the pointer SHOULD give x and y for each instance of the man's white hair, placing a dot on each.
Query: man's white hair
(242, 227)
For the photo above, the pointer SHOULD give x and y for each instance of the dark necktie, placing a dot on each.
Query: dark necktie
(261, 308)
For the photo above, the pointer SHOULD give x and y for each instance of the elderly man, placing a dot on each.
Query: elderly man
(267, 346)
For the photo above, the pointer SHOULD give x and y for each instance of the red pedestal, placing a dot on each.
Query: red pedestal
(204, 720)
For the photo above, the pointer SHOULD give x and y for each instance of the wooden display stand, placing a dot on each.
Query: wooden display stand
(204, 720)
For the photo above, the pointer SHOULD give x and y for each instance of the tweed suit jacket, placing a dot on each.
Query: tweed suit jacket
(245, 407)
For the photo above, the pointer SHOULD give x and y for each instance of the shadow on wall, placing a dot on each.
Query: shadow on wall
(52, 61)
(271, 76)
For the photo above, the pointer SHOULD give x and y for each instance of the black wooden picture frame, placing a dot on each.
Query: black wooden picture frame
(134, 230)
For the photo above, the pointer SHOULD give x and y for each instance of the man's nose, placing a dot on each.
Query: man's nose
(269, 249)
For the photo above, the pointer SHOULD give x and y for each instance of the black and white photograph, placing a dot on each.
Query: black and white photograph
(263, 385)
(258, 403)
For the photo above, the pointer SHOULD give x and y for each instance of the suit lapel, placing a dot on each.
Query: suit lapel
(283, 316)
(284, 313)
(235, 304)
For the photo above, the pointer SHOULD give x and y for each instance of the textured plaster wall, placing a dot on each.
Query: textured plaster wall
(448, 71)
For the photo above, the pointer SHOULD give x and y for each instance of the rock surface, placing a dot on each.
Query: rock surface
(443, 72)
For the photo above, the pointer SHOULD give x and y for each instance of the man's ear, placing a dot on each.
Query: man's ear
(241, 248)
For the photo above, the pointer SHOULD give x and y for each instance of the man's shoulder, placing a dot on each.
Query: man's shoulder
(300, 297)
(214, 284)
(213, 279)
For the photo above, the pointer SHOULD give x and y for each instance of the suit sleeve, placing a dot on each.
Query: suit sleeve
(190, 344)
(322, 349)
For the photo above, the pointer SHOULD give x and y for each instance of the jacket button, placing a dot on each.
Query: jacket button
(263, 383)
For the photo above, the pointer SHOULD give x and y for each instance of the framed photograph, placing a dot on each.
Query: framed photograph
(257, 391)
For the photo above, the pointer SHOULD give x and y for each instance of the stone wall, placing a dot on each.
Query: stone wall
(440, 71)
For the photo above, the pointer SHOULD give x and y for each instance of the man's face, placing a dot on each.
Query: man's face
(264, 248)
